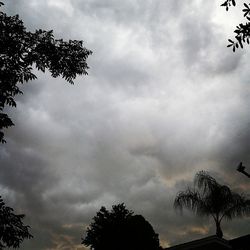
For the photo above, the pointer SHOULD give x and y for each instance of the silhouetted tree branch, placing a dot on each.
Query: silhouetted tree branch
(242, 31)
(241, 169)
(12, 229)
(228, 3)
(20, 50)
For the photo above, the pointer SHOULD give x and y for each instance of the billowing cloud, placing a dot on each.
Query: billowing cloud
(164, 98)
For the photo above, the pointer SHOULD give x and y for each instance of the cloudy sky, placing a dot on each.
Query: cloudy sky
(164, 98)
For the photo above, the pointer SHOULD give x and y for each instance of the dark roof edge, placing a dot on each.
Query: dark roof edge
(202, 241)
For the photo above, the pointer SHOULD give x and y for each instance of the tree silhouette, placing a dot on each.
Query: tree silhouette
(120, 229)
(209, 198)
(12, 230)
(20, 50)
(242, 31)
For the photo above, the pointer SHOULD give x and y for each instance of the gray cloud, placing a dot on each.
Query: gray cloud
(164, 98)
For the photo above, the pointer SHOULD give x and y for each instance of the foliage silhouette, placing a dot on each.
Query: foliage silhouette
(209, 198)
(242, 31)
(241, 169)
(12, 229)
(20, 50)
(120, 229)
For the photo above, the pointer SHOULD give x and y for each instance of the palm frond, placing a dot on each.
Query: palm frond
(239, 206)
(219, 199)
(204, 182)
(191, 200)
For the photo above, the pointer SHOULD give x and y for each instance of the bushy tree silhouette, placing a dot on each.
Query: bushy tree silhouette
(20, 50)
(242, 31)
(209, 198)
(12, 229)
(120, 229)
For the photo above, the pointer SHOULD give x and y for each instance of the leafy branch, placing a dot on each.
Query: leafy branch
(242, 31)
(21, 50)
(228, 3)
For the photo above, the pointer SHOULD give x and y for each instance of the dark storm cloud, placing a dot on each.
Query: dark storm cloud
(164, 98)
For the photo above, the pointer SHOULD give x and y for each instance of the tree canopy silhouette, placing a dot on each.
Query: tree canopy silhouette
(242, 31)
(120, 229)
(209, 198)
(20, 50)
(12, 229)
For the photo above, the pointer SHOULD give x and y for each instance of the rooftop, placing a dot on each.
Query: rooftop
(215, 243)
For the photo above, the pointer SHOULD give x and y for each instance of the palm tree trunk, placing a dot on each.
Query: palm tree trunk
(219, 232)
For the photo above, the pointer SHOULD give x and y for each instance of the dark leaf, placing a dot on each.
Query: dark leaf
(246, 5)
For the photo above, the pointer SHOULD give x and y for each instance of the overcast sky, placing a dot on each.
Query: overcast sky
(164, 98)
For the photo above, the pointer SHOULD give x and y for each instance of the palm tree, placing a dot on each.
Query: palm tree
(209, 198)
